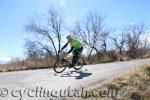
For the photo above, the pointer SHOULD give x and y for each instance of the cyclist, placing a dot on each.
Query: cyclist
(76, 47)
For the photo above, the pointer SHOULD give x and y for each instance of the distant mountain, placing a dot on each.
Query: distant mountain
(3, 62)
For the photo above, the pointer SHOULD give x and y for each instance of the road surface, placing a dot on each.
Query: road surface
(45, 84)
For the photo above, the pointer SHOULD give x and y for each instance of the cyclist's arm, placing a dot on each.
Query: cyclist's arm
(65, 45)
(70, 50)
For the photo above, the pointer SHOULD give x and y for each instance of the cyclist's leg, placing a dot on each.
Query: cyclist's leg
(80, 50)
(74, 59)
(76, 53)
(79, 53)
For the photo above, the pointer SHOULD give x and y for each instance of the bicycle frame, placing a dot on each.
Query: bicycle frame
(65, 61)
(63, 57)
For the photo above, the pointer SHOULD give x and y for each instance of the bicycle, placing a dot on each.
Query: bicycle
(63, 62)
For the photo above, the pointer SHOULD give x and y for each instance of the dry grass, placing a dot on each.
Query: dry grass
(111, 56)
(47, 62)
(134, 85)
(18, 64)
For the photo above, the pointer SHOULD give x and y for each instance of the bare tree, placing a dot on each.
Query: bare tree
(91, 31)
(133, 34)
(144, 47)
(119, 41)
(103, 45)
(33, 52)
(47, 31)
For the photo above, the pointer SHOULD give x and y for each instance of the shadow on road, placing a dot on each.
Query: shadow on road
(77, 74)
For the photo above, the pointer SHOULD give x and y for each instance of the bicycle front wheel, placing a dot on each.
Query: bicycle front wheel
(60, 66)
(79, 63)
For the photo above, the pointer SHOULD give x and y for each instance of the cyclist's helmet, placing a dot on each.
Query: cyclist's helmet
(68, 36)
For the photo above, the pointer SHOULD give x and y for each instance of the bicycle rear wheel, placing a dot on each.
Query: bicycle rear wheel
(79, 63)
(60, 66)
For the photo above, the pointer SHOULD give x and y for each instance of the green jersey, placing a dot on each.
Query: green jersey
(75, 43)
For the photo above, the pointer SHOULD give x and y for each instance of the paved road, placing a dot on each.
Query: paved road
(44, 84)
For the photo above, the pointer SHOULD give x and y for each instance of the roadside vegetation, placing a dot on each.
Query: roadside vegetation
(134, 85)
(102, 43)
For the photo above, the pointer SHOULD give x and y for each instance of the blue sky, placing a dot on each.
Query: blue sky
(14, 14)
